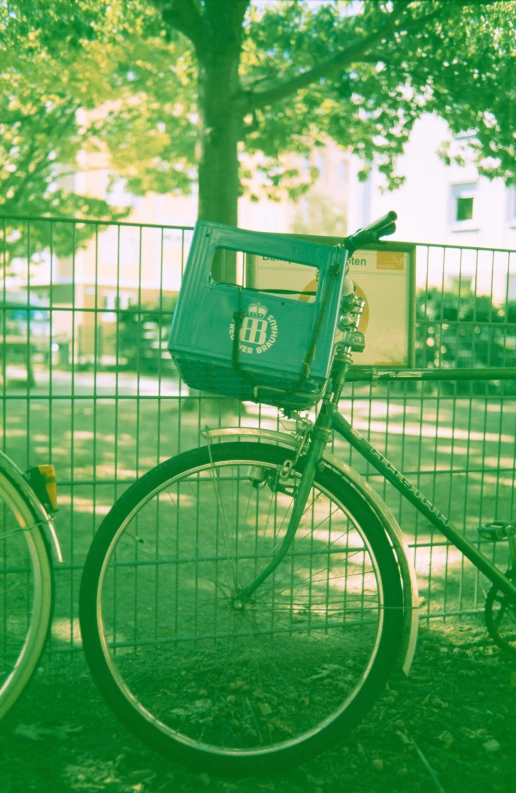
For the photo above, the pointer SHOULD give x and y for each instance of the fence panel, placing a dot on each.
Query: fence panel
(87, 384)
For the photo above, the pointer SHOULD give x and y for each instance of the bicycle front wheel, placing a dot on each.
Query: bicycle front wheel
(201, 675)
(26, 593)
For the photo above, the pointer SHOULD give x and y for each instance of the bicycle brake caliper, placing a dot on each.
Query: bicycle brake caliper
(302, 434)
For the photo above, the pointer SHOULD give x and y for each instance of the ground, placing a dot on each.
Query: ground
(449, 727)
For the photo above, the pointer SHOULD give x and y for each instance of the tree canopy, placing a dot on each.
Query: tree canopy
(187, 87)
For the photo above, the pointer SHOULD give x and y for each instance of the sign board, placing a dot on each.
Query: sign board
(384, 277)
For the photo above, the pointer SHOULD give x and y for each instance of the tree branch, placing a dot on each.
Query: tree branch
(353, 54)
(77, 171)
(184, 15)
(10, 120)
(43, 162)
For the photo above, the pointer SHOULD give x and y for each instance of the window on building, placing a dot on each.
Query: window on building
(113, 302)
(343, 171)
(109, 303)
(464, 208)
(320, 164)
(463, 203)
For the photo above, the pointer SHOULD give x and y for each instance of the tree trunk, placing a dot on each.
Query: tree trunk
(220, 118)
(221, 112)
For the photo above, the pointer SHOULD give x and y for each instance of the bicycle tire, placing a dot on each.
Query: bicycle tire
(178, 660)
(26, 593)
(500, 617)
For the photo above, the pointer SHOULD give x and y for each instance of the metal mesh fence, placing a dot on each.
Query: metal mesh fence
(88, 384)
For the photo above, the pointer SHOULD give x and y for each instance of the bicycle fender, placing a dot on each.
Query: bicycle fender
(384, 515)
(10, 470)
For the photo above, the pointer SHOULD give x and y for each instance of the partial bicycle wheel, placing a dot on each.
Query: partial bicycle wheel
(205, 678)
(26, 592)
(500, 615)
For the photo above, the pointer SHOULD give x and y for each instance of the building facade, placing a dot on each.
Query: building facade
(440, 204)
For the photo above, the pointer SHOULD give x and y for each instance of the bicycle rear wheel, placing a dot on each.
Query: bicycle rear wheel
(26, 593)
(500, 616)
(205, 678)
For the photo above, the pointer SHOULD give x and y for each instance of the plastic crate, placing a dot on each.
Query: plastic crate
(276, 327)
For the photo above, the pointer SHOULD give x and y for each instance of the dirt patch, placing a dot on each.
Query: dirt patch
(449, 727)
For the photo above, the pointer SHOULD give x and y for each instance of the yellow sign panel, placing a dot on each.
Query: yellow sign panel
(383, 278)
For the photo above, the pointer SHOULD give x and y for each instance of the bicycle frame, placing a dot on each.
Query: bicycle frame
(332, 419)
(422, 504)
(353, 340)
(329, 419)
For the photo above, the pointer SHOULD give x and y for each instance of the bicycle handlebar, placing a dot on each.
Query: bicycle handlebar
(372, 233)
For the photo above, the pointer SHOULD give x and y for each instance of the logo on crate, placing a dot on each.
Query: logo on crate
(258, 332)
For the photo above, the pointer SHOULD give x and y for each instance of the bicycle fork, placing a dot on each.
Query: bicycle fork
(320, 436)
(352, 308)
(352, 340)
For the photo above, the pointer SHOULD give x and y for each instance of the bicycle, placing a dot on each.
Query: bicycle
(28, 548)
(243, 604)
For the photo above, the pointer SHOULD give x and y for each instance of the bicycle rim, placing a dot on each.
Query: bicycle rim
(500, 615)
(229, 679)
(25, 594)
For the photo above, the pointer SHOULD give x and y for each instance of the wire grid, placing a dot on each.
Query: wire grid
(99, 396)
